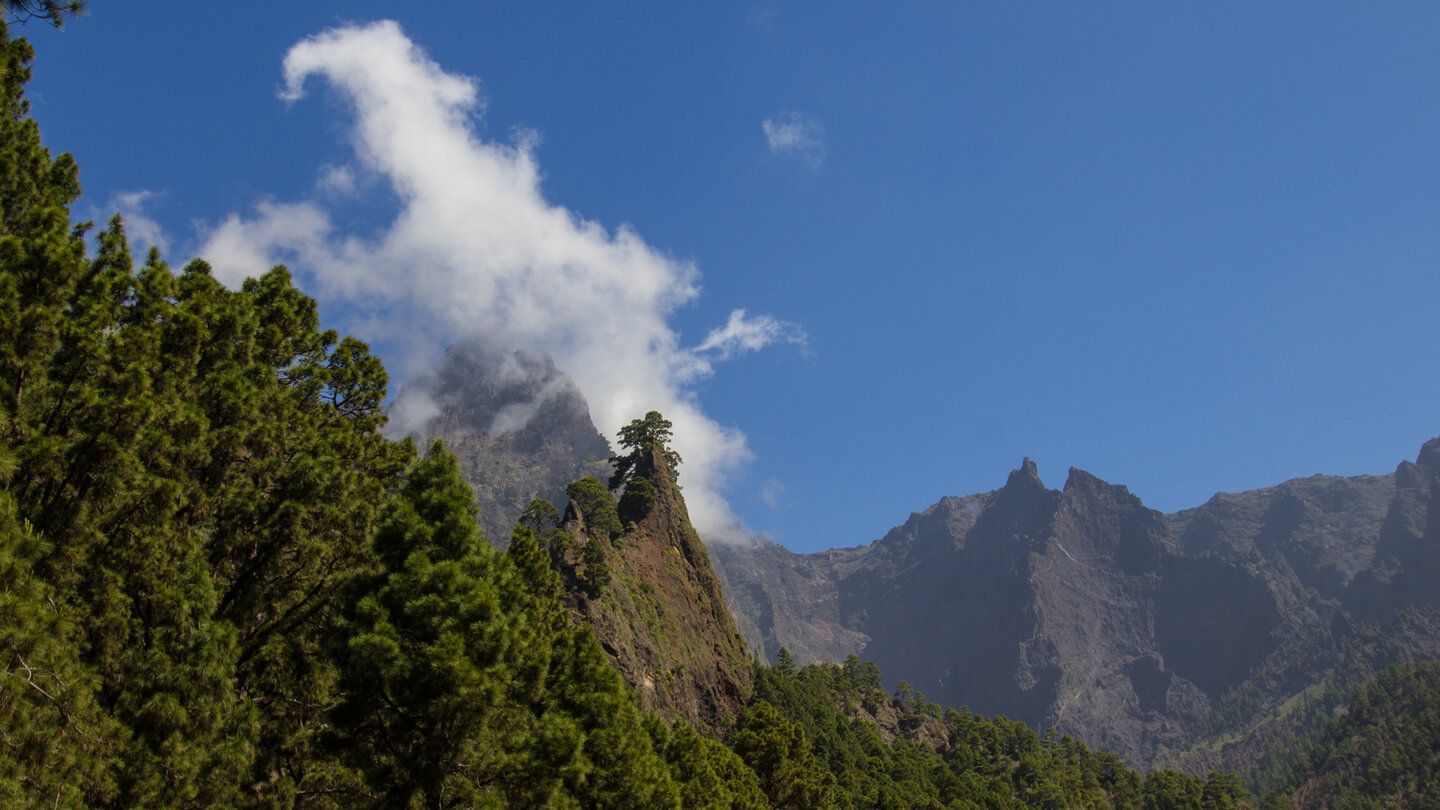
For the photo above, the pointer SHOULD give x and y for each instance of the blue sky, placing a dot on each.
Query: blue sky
(1186, 247)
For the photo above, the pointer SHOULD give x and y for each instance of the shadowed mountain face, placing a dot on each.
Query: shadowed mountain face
(1206, 638)
(519, 426)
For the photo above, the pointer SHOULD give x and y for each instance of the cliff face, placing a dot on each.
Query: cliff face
(1044, 606)
(1405, 568)
(781, 599)
(1207, 638)
(660, 613)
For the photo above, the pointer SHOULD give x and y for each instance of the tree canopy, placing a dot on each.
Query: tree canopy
(640, 437)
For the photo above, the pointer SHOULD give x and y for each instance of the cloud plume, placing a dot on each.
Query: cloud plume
(475, 249)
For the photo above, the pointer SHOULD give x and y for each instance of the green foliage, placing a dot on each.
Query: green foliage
(638, 500)
(596, 505)
(57, 741)
(641, 437)
(595, 577)
(540, 516)
(785, 662)
(710, 776)
(1385, 750)
(883, 751)
(776, 750)
(426, 655)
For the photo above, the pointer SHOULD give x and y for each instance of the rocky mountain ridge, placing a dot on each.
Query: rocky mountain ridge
(1201, 639)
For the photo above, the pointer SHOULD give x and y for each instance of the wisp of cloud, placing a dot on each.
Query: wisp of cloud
(796, 134)
(476, 250)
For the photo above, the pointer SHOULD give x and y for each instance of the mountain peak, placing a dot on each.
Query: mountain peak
(1429, 457)
(1026, 477)
(1088, 485)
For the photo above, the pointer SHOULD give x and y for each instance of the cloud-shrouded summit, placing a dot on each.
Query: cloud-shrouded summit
(476, 250)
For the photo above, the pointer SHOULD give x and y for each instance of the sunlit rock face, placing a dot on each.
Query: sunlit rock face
(661, 615)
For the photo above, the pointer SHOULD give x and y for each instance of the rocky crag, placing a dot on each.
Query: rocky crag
(638, 576)
(1217, 637)
(641, 577)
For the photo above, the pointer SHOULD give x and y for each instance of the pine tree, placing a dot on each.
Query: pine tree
(709, 775)
(640, 437)
(777, 750)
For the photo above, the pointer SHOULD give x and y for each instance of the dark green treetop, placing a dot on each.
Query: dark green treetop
(596, 504)
(639, 437)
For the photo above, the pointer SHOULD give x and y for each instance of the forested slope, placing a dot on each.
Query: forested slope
(1384, 750)
(1219, 638)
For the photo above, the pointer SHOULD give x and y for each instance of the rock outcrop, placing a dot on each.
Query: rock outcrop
(659, 611)
(522, 430)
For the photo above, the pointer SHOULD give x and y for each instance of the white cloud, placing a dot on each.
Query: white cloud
(476, 250)
(739, 335)
(798, 135)
(141, 231)
(241, 248)
(337, 180)
(742, 335)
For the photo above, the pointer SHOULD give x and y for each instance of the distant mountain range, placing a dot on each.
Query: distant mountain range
(1218, 637)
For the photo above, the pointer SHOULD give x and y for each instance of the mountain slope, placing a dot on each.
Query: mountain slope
(639, 577)
(1384, 751)
(646, 587)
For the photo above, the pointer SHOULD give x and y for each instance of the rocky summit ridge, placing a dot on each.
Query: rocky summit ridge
(1210, 638)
